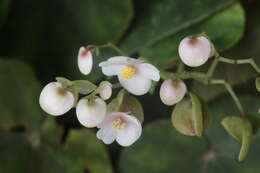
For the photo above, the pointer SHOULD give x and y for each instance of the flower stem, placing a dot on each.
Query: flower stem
(213, 67)
(231, 92)
(241, 61)
(112, 46)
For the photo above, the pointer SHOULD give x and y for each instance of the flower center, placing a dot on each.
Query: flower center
(118, 124)
(128, 72)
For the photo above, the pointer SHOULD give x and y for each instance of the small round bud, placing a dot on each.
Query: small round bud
(56, 100)
(105, 90)
(91, 112)
(172, 91)
(85, 60)
(195, 51)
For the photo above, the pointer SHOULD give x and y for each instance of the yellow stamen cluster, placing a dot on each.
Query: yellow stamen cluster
(118, 124)
(128, 72)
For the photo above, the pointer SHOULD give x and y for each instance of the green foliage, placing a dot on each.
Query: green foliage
(4, 10)
(167, 26)
(172, 153)
(81, 152)
(19, 92)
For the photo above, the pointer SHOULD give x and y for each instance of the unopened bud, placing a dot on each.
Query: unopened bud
(195, 51)
(172, 91)
(85, 60)
(56, 100)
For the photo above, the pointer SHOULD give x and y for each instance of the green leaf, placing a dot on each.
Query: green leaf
(241, 129)
(19, 92)
(4, 10)
(257, 83)
(86, 151)
(84, 86)
(177, 154)
(127, 103)
(246, 48)
(162, 25)
(82, 152)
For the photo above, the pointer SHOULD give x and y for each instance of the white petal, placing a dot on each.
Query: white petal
(112, 70)
(53, 101)
(172, 91)
(85, 60)
(90, 113)
(137, 85)
(105, 90)
(130, 133)
(195, 53)
(106, 134)
(149, 71)
(118, 59)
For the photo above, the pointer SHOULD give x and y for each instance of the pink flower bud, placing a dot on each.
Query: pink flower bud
(85, 60)
(195, 51)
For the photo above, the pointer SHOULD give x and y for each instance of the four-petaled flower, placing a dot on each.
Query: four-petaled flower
(119, 126)
(134, 75)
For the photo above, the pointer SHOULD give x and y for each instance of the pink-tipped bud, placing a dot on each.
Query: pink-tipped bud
(195, 51)
(85, 60)
(105, 90)
(172, 91)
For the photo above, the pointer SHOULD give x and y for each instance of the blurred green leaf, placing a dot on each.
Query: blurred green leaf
(160, 28)
(246, 48)
(241, 129)
(220, 140)
(177, 154)
(52, 36)
(83, 152)
(86, 151)
(19, 92)
(257, 83)
(4, 10)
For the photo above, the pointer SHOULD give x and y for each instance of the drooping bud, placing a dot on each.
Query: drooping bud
(85, 60)
(105, 90)
(172, 91)
(241, 129)
(56, 100)
(91, 112)
(257, 83)
(191, 116)
(195, 51)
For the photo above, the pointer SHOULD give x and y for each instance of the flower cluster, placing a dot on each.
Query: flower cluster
(134, 75)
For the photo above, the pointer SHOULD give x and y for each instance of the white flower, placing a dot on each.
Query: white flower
(91, 112)
(105, 90)
(85, 60)
(195, 51)
(119, 126)
(172, 91)
(133, 74)
(56, 100)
